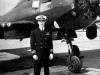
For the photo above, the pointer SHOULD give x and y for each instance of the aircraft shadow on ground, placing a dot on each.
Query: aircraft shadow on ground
(16, 64)
(26, 61)
(59, 59)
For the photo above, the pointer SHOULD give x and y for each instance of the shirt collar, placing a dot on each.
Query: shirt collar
(42, 28)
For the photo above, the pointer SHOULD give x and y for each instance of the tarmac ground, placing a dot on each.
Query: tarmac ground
(16, 58)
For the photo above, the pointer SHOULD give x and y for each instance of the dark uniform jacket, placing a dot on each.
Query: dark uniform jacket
(41, 43)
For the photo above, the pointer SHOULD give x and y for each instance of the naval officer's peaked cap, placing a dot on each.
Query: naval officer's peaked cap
(41, 18)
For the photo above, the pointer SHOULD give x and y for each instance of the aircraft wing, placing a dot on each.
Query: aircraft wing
(16, 30)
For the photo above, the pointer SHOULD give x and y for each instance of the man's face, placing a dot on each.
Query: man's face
(41, 23)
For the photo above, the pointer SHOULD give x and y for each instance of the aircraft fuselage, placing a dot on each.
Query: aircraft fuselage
(53, 10)
(67, 13)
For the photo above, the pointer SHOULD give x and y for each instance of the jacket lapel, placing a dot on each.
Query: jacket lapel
(40, 33)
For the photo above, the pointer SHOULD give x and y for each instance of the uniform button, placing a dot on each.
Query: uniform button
(41, 47)
(40, 43)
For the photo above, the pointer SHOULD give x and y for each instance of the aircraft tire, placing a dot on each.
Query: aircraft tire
(75, 64)
(91, 32)
(76, 51)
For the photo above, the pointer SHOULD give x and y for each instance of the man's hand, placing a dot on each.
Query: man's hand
(35, 57)
(51, 56)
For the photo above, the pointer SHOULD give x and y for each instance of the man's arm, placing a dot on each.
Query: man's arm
(33, 43)
(51, 44)
(51, 48)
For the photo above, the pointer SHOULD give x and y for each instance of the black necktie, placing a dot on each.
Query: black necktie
(42, 30)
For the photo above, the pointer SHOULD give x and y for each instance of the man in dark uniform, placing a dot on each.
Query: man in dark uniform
(41, 46)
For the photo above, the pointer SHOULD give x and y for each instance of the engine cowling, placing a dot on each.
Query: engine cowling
(96, 6)
(91, 32)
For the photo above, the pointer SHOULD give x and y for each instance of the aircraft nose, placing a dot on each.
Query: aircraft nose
(96, 4)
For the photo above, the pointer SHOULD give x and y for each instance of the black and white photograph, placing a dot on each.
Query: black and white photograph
(49, 37)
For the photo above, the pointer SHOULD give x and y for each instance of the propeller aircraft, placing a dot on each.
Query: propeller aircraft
(70, 15)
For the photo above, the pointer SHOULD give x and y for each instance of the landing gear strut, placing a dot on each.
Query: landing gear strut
(74, 63)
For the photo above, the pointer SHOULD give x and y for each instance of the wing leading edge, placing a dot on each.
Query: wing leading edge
(16, 30)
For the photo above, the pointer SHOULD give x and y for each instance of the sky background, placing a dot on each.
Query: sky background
(7, 5)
